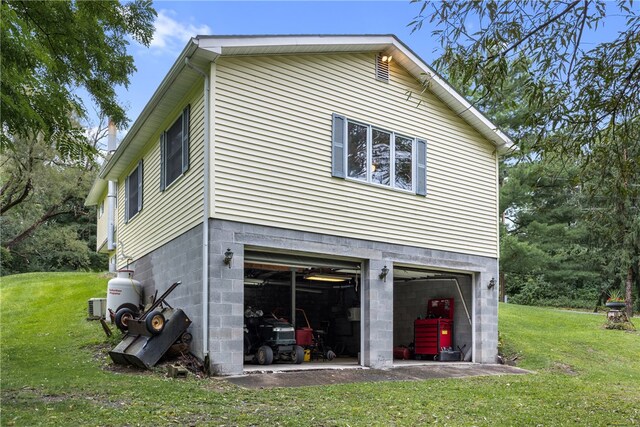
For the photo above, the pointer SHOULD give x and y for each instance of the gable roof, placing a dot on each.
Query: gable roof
(201, 50)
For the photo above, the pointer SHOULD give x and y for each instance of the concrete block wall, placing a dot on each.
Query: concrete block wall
(226, 301)
(410, 302)
(181, 259)
(178, 260)
(378, 314)
(486, 314)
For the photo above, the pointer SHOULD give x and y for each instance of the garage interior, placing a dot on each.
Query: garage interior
(423, 301)
(326, 302)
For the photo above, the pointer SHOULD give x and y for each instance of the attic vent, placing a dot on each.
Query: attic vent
(382, 67)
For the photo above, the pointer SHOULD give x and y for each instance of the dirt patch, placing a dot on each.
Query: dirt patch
(34, 396)
(564, 368)
(346, 376)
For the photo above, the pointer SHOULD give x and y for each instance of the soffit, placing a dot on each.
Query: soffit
(204, 49)
(389, 44)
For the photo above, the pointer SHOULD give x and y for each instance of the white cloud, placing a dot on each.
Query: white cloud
(170, 35)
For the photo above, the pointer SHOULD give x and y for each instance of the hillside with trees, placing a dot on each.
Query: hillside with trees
(571, 191)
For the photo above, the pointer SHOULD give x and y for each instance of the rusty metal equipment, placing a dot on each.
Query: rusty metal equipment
(150, 335)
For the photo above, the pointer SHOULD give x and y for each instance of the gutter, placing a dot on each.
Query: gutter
(173, 73)
(205, 213)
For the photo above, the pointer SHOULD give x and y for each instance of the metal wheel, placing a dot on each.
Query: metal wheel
(264, 356)
(155, 322)
(186, 338)
(297, 355)
(122, 318)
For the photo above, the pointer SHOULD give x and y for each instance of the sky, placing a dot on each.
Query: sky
(177, 21)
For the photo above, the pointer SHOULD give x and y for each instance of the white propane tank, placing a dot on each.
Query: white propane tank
(123, 290)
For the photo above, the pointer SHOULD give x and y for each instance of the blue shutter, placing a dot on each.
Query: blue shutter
(421, 168)
(337, 146)
(163, 160)
(185, 138)
(140, 185)
(126, 200)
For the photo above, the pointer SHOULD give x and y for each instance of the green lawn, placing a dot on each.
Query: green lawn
(50, 375)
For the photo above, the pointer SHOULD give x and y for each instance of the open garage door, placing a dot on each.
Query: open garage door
(432, 314)
(316, 300)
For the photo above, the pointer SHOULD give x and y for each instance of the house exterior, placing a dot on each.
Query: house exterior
(294, 153)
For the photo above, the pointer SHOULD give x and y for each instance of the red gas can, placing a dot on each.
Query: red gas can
(402, 353)
(304, 337)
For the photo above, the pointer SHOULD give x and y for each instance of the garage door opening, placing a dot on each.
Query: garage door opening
(300, 312)
(432, 316)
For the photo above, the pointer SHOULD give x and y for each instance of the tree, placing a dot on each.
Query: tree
(50, 49)
(44, 223)
(548, 253)
(583, 99)
(579, 90)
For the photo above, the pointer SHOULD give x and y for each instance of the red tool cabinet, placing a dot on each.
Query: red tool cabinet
(435, 332)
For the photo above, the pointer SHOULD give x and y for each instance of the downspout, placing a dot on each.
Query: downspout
(205, 215)
(111, 197)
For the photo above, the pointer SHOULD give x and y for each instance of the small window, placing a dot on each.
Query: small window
(101, 209)
(174, 150)
(380, 157)
(357, 151)
(403, 152)
(133, 193)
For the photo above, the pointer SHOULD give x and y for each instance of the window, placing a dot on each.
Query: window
(378, 156)
(357, 151)
(101, 209)
(174, 150)
(133, 193)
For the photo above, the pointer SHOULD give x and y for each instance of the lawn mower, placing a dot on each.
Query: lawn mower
(269, 339)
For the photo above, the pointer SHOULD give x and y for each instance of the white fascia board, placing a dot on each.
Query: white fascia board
(457, 102)
(210, 47)
(166, 83)
(412, 62)
(98, 187)
(222, 42)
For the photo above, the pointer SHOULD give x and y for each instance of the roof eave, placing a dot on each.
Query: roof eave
(210, 47)
(172, 75)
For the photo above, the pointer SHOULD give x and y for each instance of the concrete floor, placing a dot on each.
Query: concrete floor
(343, 373)
(338, 363)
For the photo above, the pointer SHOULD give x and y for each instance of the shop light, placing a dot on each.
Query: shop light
(327, 277)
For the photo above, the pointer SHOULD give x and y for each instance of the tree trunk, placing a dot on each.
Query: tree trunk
(51, 213)
(627, 296)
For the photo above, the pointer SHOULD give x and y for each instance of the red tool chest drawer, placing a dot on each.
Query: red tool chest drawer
(431, 335)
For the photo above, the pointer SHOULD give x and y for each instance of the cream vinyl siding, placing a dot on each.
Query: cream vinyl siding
(165, 215)
(101, 230)
(273, 121)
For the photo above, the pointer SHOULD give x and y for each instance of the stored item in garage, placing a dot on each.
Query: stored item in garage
(435, 333)
(270, 339)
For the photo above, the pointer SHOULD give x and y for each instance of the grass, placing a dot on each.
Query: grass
(50, 375)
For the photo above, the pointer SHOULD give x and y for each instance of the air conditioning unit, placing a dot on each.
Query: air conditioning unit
(97, 308)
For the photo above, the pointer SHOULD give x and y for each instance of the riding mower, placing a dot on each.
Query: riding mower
(269, 339)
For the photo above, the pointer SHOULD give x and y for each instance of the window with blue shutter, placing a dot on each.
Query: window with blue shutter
(133, 193)
(174, 150)
(377, 156)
